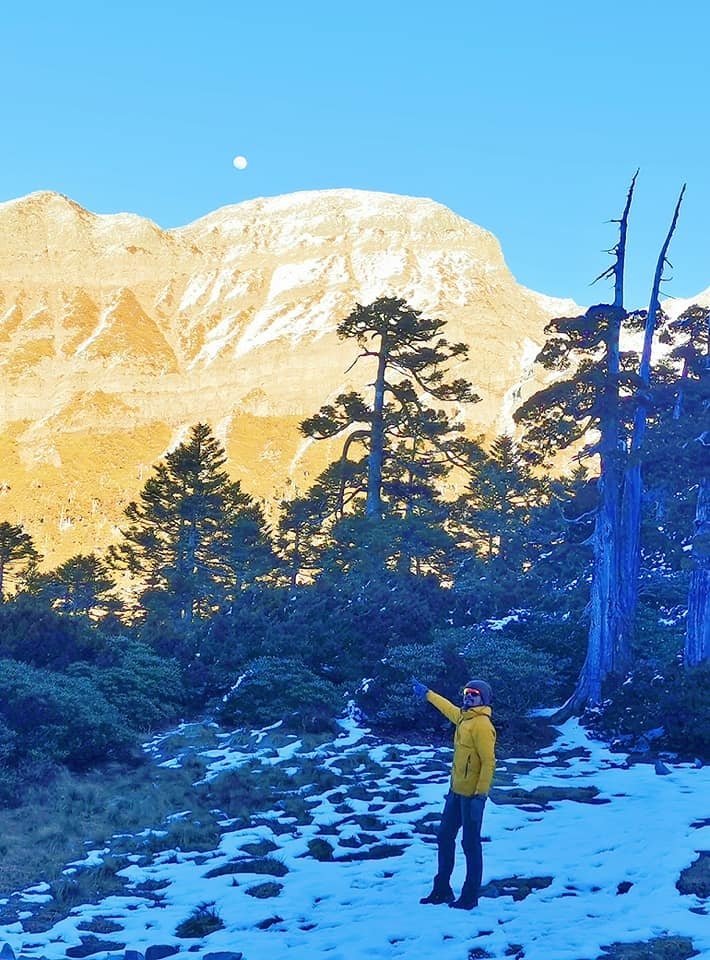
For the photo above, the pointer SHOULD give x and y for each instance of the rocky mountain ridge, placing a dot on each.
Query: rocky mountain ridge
(116, 336)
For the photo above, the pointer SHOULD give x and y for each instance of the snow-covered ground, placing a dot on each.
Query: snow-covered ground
(641, 830)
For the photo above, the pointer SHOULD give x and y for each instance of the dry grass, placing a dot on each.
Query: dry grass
(60, 820)
(203, 920)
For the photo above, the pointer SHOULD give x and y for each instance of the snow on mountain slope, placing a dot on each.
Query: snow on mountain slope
(230, 320)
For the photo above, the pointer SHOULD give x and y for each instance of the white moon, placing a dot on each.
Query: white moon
(240, 163)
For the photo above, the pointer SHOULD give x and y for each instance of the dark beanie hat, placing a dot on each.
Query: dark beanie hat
(485, 690)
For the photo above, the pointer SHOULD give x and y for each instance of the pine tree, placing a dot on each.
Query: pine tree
(81, 585)
(17, 551)
(307, 521)
(410, 358)
(496, 507)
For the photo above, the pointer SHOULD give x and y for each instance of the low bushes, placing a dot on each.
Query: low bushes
(48, 715)
(661, 706)
(85, 715)
(272, 689)
(145, 688)
(522, 678)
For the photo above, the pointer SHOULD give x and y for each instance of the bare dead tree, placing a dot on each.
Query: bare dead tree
(604, 596)
(630, 530)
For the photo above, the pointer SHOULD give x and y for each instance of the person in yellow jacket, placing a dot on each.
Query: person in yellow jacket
(471, 776)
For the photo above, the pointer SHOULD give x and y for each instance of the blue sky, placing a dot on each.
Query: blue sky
(527, 118)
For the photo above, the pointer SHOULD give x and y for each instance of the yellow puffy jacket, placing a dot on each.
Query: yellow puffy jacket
(474, 746)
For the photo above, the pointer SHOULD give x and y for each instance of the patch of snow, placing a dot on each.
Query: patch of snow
(369, 908)
(101, 325)
(557, 306)
(505, 423)
(502, 623)
(195, 290)
(290, 276)
(674, 306)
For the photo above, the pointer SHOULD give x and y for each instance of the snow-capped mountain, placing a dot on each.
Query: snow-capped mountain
(116, 336)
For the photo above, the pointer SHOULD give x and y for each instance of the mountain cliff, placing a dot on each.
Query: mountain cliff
(117, 336)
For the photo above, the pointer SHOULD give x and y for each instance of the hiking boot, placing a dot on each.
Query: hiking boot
(439, 895)
(467, 901)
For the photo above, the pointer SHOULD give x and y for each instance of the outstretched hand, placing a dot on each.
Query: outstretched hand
(420, 690)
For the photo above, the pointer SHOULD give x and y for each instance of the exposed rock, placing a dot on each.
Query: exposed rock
(90, 946)
(116, 336)
(664, 948)
(259, 848)
(320, 849)
(264, 891)
(259, 865)
(516, 887)
(98, 925)
(160, 950)
(380, 851)
(695, 879)
(544, 795)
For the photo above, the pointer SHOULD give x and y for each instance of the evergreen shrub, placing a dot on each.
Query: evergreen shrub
(31, 631)
(272, 689)
(145, 688)
(58, 718)
(661, 706)
(562, 636)
(522, 678)
(386, 699)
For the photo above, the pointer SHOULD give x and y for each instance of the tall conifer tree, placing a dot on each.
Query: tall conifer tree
(194, 537)
(410, 358)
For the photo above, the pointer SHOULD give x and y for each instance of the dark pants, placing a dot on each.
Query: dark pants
(467, 813)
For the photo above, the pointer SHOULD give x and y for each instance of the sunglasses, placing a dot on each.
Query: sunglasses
(471, 692)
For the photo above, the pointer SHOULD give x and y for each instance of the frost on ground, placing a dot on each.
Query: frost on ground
(581, 851)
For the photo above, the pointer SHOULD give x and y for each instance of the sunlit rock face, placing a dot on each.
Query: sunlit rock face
(117, 336)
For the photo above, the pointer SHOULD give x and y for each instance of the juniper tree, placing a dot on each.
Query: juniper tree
(697, 636)
(630, 520)
(606, 394)
(680, 465)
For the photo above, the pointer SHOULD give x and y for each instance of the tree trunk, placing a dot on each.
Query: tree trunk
(697, 635)
(630, 545)
(604, 594)
(373, 505)
(604, 600)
